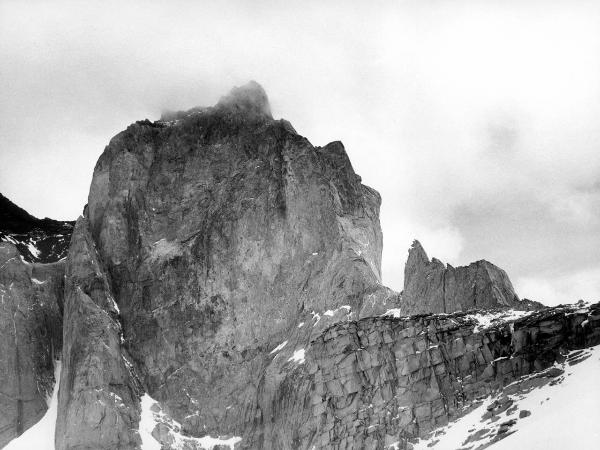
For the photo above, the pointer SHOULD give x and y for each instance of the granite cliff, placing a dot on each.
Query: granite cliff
(223, 289)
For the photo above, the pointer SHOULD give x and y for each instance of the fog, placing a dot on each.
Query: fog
(477, 121)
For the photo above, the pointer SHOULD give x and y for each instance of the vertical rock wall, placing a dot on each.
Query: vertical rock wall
(30, 339)
(98, 400)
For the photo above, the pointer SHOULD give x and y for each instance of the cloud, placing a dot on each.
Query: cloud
(477, 121)
(567, 288)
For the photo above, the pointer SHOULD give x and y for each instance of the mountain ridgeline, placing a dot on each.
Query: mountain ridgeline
(223, 289)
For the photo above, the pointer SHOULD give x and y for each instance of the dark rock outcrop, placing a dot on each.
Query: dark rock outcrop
(38, 240)
(432, 287)
(30, 339)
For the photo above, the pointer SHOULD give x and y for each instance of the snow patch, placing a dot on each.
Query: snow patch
(33, 250)
(36, 281)
(279, 347)
(317, 317)
(395, 312)
(298, 356)
(486, 320)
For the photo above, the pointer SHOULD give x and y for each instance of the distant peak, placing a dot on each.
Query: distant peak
(250, 97)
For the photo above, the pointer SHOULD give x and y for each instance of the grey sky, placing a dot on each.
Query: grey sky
(476, 120)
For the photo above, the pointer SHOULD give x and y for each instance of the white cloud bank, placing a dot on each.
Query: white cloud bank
(476, 120)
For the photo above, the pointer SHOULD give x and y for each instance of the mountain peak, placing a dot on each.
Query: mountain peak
(417, 254)
(250, 97)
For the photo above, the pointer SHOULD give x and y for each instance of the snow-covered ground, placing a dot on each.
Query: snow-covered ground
(563, 414)
(41, 435)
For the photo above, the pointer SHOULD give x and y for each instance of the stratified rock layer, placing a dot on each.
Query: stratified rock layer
(432, 287)
(30, 339)
(383, 380)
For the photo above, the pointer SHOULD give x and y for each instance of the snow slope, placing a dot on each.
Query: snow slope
(561, 414)
(41, 435)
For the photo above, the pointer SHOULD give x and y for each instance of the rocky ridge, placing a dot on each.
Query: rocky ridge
(223, 289)
(38, 240)
(382, 381)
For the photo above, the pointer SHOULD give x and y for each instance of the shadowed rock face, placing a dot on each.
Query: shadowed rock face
(38, 240)
(30, 339)
(431, 287)
(221, 230)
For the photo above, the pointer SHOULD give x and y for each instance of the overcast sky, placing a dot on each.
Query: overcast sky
(478, 121)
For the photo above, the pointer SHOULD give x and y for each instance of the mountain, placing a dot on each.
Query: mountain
(222, 289)
(38, 240)
(429, 286)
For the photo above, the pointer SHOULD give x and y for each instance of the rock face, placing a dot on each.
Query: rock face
(98, 397)
(431, 287)
(38, 240)
(218, 231)
(30, 338)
